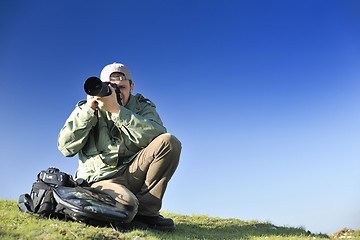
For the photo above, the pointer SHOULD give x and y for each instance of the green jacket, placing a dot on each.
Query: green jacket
(98, 137)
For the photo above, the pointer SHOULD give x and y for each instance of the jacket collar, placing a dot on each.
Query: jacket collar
(133, 104)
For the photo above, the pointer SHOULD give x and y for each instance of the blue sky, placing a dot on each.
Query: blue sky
(264, 96)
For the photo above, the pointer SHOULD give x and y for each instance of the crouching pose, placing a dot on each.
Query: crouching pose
(123, 147)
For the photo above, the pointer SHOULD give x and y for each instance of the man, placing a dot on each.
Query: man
(123, 148)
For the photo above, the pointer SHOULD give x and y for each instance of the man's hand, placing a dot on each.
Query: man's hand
(92, 102)
(108, 103)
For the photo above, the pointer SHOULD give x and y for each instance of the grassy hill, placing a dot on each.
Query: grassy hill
(18, 225)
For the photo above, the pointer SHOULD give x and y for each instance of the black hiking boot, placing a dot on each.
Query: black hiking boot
(157, 222)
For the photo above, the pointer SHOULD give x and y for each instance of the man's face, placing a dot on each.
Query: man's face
(124, 86)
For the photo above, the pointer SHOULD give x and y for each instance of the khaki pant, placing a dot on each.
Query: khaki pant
(143, 182)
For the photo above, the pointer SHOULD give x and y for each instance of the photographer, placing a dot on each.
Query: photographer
(123, 147)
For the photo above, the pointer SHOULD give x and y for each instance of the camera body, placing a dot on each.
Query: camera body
(54, 177)
(93, 86)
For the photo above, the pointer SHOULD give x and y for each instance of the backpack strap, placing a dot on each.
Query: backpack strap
(25, 203)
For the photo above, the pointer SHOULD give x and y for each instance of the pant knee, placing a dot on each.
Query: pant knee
(172, 147)
(172, 141)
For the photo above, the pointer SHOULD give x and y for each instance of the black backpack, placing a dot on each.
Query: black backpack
(55, 194)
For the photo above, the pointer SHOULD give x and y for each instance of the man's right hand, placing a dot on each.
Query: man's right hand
(91, 102)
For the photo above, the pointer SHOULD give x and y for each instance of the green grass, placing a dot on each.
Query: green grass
(15, 224)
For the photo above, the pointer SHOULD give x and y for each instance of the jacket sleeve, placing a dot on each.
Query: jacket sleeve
(142, 126)
(74, 134)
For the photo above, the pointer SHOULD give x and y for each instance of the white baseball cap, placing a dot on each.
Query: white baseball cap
(114, 67)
